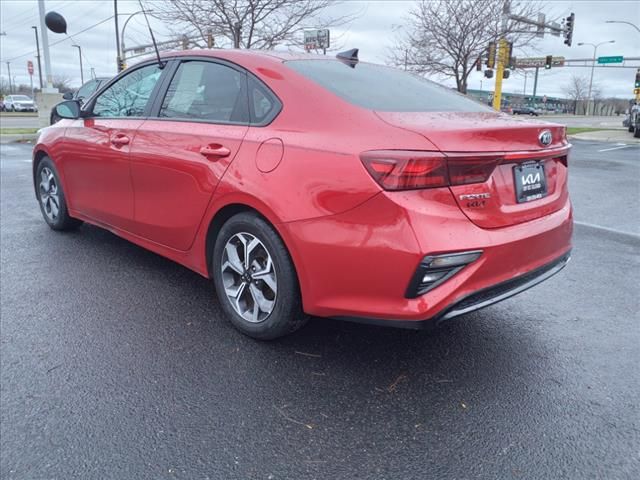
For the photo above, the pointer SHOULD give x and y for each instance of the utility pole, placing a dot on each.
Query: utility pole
(38, 55)
(45, 46)
(9, 70)
(236, 34)
(535, 84)
(119, 53)
(80, 54)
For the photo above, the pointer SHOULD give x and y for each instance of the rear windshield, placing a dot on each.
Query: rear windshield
(386, 89)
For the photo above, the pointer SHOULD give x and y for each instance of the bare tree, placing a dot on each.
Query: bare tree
(446, 37)
(258, 24)
(576, 90)
(62, 83)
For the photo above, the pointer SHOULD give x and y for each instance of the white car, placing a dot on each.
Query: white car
(19, 103)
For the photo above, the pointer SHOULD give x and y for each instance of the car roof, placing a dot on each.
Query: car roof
(240, 54)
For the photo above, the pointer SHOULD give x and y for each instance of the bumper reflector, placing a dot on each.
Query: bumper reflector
(436, 269)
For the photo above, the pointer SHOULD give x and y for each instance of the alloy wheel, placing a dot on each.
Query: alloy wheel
(49, 196)
(249, 277)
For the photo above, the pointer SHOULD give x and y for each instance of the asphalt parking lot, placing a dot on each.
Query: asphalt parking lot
(116, 364)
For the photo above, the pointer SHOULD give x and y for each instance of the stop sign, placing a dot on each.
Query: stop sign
(30, 67)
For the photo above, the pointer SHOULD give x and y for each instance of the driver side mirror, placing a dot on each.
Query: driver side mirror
(69, 109)
(68, 96)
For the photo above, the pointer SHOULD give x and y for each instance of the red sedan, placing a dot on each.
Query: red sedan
(307, 185)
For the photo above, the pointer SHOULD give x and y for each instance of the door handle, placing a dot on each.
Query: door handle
(215, 150)
(120, 140)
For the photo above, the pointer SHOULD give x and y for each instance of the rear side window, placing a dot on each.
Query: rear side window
(386, 89)
(207, 91)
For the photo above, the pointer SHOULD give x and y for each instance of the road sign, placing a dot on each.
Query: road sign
(30, 67)
(619, 59)
(316, 39)
(533, 62)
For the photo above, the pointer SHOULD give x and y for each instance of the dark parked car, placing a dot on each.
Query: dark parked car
(84, 92)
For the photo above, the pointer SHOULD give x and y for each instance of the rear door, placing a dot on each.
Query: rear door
(96, 159)
(180, 154)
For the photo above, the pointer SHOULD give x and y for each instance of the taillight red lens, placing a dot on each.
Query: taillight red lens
(471, 169)
(406, 170)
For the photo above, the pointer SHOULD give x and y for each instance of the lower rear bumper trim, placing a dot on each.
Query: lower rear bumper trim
(477, 300)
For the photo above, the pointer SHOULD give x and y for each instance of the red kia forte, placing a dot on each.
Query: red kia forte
(308, 185)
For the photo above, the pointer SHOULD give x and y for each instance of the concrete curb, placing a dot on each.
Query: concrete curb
(616, 136)
(18, 137)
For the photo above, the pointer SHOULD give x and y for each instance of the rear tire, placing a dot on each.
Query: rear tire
(51, 197)
(636, 133)
(255, 279)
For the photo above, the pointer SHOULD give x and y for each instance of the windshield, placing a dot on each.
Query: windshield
(376, 87)
(21, 97)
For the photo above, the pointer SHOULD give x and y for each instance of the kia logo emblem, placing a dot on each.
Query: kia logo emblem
(545, 138)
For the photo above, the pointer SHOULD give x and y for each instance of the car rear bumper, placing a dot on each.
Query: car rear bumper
(478, 300)
(358, 265)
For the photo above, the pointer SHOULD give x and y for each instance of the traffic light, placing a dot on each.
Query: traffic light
(488, 73)
(491, 55)
(479, 64)
(507, 54)
(637, 79)
(568, 28)
(121, 64)
(548, 61)
(506, 74)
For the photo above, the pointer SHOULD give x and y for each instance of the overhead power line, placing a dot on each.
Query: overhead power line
(62, 40)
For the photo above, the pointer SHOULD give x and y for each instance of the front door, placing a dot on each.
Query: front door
(178, 157)
(96, 166)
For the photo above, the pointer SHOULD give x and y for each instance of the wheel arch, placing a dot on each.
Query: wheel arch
(38, 155)
(227, 211)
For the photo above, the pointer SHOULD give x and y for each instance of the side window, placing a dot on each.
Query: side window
(264, 104)
(86, 90)
(129, 95)
(206, 91)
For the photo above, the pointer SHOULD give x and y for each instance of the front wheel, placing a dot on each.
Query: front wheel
(255, 279)
(51, 198)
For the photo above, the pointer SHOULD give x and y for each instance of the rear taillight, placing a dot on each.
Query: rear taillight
(408, 170)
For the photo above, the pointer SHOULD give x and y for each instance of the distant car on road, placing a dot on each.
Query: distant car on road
(19, 103)
(525, 111)
(84, 92)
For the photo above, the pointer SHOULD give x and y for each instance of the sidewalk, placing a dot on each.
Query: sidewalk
(19, 137)
(618, 136)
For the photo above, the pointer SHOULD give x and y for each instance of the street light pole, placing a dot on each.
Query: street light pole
(124, 26)
(45, 46)
(80, 55)
(593, 65)
(38, 55)
(9, 71)
(622, 21)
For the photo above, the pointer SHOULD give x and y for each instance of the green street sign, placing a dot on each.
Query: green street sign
(619, 59)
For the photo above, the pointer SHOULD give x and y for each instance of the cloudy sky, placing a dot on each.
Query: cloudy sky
(372, 31)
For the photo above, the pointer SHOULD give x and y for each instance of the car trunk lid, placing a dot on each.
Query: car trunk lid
(529, 179)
